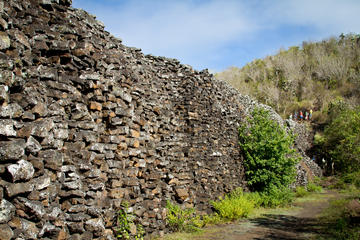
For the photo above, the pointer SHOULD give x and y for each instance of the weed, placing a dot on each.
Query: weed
(182, 220)
(276, 196)
(301, 192)
(338, 220)
(312, 187)
(211, 219)
(352, 178)
(233, 206)
(126, 228)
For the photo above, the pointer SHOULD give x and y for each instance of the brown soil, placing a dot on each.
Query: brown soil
(300, 222)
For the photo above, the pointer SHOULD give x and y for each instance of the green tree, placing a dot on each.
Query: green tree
(269, 156)
(342, 140)
(310, 76)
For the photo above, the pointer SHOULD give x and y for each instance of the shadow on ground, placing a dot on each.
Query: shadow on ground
(287, 227)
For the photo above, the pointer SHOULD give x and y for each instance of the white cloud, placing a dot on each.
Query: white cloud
(203, 33)
(179, 25)
(328, 16)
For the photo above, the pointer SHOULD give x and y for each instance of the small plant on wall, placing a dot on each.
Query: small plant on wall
(182, 220)
(126, 228)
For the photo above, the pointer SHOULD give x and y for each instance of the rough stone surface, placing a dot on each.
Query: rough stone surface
(88, 123)
(22, 170)
(12, 150)
(4, 93)
(6, 211)
(7, 128)
(96, 226)
(28, 229)
(4, 41)
(307, 168)
(18, 188)
(6, 232)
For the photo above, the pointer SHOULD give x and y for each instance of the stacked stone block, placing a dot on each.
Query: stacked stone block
(87, 123)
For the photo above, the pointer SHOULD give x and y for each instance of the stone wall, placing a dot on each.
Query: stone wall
(307, 169)
(87, 123)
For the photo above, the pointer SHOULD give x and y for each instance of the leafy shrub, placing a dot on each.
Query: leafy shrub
(276, 196)
(301, 191)
(337, 217)
(269, 157)
(319, 117)
(125, 221)
(182, 220)
(211, 219)
(309, 77)
(342, 140)
(352, 178)
(312, 187)
(233, 206)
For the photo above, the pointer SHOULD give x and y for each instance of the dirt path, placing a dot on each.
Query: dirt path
(299, 222)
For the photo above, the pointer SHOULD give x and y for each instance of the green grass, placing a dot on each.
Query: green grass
(301, 192)
(234, 206)
(182, 220)
(186, 223)
(337, 219)
(312, 187)
(314, 197)
(256, 212)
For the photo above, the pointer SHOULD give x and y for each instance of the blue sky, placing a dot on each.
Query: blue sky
(217, 34)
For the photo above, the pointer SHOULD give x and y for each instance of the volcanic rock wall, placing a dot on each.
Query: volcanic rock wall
(87, 123)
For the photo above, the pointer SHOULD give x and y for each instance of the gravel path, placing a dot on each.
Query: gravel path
(300, 222)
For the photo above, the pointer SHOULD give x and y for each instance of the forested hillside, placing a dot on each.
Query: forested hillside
(322, 76)
(314, 75)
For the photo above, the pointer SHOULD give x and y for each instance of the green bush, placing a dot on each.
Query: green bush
(125, 223)
(301, 191)
(234, 206)
(337, 218)
(342, 141)
(182, 220)
(312, 187)
(211, 219)
(269, 158)
(309, 77)
(276, 196)
(352, 178)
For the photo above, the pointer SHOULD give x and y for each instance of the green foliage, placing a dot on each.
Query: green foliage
(276, 196)
(338, 220)
(211, 219)
(269, 160)
(309, 76)
(126, 229)
(234, 206)
(312, 187)
(182, 220)
(336, 107)
(342, 140)
(348, 182)
(319, 139)
(340, 217)
(301, 192)
(352, 178)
